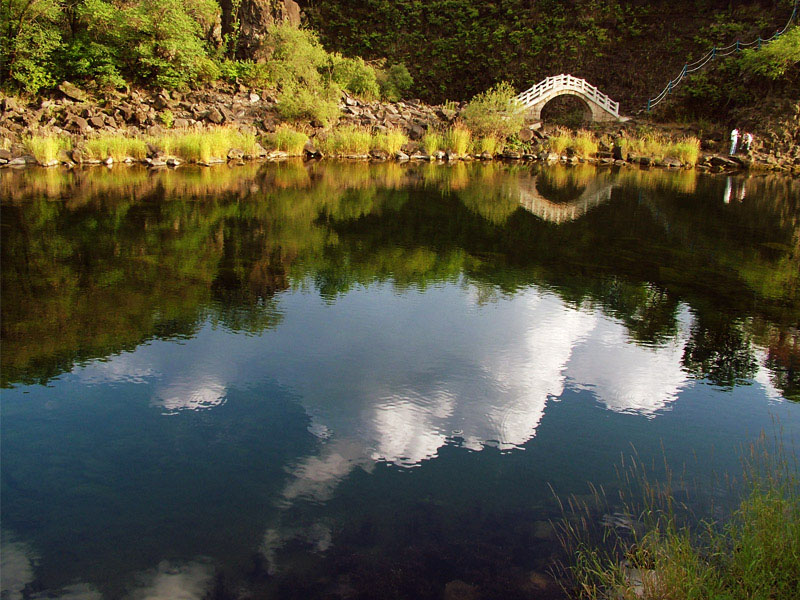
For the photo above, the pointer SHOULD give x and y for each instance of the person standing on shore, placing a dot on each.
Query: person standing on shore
(747, 141)
(734, 140)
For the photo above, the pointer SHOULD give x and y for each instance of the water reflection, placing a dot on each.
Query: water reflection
(230, 350)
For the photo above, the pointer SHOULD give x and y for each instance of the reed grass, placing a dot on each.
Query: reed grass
(390, 141)
(288, 139)
(432, 142)
(489, 144)
(350, 140)
(559, 141)
(115, 146)
(45, 148)
(656, 550)
(584, 143)
(457, 139)
(204, 145)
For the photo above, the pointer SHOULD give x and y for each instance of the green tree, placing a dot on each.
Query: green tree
(29, 36)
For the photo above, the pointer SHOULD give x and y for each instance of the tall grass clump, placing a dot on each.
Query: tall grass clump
(655, 550)
(432, 142)
(390, 141)
(204, 145)
(45, 148)
(115, 146)
(686, 150)
(350, 140)
(559, 141)
(488, 144)
(584, 144)
(288, 139)
(458, 138)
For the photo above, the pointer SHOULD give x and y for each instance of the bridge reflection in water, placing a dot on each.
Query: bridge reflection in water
(594, 192)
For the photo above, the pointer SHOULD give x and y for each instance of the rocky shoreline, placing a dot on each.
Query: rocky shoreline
(71, 113)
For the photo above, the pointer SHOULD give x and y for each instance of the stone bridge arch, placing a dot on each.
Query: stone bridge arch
(601, 107)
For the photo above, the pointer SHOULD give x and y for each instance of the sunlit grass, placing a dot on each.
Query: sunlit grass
(432, 142)
(458, 138)
(584, 143)
(559, 141)
(45, 148)
(204, 145)
(489, 144)
(350, 140)
(115, 146)
(288, 139)
(664, 553)
(390, 141)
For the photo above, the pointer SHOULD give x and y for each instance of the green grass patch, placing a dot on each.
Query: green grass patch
(666, 553)
(204, 145)
(45, 148)
(288, 139)
(559, 141)
(432, 142)
(350, 140)
(458, 138)
(117, 147)
(390, 141)
(489, 144)
(584, 143)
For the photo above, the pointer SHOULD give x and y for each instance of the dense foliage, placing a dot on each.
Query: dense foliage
(458, 48)
(176, 44)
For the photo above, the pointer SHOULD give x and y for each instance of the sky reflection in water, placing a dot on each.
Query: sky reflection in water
(249, 425)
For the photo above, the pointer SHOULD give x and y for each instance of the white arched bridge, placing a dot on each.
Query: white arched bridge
(601, 106)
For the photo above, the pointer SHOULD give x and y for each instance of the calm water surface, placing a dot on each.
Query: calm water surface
(362, 381)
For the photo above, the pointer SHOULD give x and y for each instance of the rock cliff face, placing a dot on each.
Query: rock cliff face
(254, 18)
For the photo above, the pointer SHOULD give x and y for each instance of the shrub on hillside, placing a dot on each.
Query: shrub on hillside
(29, 37)
(308, 103)
(494, 112)
(394, 82)
(355, 76)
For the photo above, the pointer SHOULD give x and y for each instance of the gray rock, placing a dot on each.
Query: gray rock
(97, 122)
(78, 124)
(5, 154)
(215, 116)
(72, 91)
(235, 154)
(180, 123)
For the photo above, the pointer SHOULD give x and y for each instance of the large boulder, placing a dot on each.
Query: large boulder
(254, 18)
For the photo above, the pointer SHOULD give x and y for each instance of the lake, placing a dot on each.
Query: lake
(352, 380)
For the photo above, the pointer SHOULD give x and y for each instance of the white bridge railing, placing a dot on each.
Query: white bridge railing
(567, 83)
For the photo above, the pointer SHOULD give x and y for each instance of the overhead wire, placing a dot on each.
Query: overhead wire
(717, 53)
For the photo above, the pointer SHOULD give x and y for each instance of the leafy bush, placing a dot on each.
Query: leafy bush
(307, 103)
(394, 82)
(494, 112)
(292, 57)
(355, 76)
(777, 57)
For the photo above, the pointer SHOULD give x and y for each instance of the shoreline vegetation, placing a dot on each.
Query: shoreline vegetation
(653, 542)
(210, 145)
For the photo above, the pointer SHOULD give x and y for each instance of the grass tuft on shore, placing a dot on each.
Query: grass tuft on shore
(390, 141)
(207, 144)
(458, 138)
(663, 553)
(288, 139)
(117, 147)
(432, 142)
(45, 148)
(350, 140)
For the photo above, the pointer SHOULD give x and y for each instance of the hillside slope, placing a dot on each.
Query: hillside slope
(456, 48)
